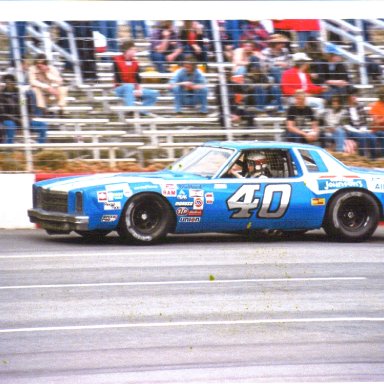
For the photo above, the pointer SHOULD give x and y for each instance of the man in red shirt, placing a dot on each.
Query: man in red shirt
(127, 78)
(297, 78)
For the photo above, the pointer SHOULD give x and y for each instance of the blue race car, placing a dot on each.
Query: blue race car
(219, 187)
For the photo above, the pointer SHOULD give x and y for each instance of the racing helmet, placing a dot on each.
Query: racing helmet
(258, 160)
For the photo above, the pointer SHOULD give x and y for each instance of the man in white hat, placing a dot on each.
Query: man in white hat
(297, 78)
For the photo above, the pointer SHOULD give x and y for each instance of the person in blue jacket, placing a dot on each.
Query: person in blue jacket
(189, 86)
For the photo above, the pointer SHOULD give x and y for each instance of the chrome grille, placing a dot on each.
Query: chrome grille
(52, 201)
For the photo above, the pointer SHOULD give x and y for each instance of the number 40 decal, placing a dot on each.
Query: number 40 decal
(244, 202)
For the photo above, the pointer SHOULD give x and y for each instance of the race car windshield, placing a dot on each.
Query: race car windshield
(203, 161)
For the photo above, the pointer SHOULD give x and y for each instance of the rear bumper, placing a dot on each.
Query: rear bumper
(58, 222)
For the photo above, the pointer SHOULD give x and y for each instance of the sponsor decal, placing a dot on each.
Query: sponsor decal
(190, 186)
(326, 185)
(115, 196)
(123, 188)
(108, 218)
(184, 204)
(198, 203)
(196, 193)
(220, 186)
(209, 197)
(182, 211)
(102, 196)
(318, 201)
(112, 206)
(195, 213)
(169, 190)
(144, 187)
(189, 220)
(182, 195)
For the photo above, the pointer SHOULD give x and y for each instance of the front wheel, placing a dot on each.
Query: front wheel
(352, 216)
(146, 219)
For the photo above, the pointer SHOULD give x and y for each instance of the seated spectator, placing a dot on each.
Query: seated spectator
(47, 84)
(377, 126)
(227, 42)
(10, 113)
(334, 119)
(166, 47)
(277, 56)
(258, 89)
(127, 78)
(243, 56)
(189, 86)
(192, 37)
(356, 126)
(302, 126)
(335, 75)
(298, 78)
(318, 65)
(254, 30)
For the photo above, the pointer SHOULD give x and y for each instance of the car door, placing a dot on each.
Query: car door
(279, 202)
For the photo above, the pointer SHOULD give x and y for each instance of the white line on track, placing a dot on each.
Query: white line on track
(182, 282)
(194, 323)
(87, 254)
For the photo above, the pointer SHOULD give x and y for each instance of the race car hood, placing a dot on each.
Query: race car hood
(67, 184)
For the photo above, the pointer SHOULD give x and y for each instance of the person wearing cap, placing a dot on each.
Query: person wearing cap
(298, 78)
(376, 112)
(277, 56)
(335, 75)
(302, 125)
(189, 86)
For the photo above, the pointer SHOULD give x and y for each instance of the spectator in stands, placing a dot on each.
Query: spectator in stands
(226, 41)
(302, 125)
(243, 56)
(135, 25)
(127, 78)
(108, 28)
(356, 126)
(189, 86)
(47, 84)
(254, 30)
(193, 40)
(334, 120)
(318, 65)
(10, 112)
(259, 90)
(277, 56)
(298, 77)
(166, 47)
(336, 73)
(84, 40)
(377, 126)
(306, 30)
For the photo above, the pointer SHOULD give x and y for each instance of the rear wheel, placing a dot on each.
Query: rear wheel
(146, 219)
(352, 216)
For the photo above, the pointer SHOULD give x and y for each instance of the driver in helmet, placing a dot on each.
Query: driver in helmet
(257, 165)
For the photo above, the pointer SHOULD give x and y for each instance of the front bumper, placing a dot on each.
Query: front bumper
(58, 222)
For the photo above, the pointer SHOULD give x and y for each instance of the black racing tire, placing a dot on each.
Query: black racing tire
(352, 216)
(146, 219)
(93, 235)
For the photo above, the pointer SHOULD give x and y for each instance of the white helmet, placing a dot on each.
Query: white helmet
(258, 160)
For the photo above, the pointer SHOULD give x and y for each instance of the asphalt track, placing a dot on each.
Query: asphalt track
(196, 309)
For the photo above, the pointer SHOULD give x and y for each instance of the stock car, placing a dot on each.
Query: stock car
(209, 190)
